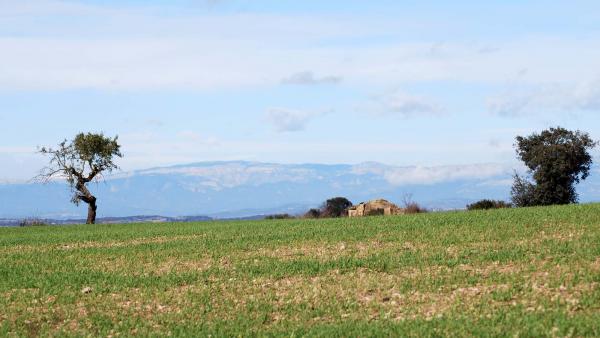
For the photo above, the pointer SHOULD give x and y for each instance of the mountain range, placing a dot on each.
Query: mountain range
(241, 189)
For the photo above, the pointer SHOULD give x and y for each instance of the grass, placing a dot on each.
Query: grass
(526, 272)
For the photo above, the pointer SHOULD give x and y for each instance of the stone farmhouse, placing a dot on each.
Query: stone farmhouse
(375, 207)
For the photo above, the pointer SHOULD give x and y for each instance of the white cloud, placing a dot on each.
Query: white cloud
(237, 173)
(491, 172)
(151, 149)
(405, 105)
(12, 9)
(432, 175)
(506, 182)
(145, 150)
(20, 165)
(543, 99)
(288, 120)
(308, 78)
(232, 174)
(18, 150)
(140, 48)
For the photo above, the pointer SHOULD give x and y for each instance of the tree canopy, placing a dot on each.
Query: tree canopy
(557, 159)
(335, 207)
(80, 161)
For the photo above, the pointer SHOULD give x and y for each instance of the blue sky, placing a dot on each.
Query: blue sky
(400, 82)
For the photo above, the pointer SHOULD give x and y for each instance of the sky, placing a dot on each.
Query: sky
(427, 83)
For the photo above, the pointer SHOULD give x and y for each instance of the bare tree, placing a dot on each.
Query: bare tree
(80, 161)
(410, 206)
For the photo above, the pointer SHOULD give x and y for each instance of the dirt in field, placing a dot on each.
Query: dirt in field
(359, 295)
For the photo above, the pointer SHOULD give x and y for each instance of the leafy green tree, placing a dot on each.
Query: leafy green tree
(557, 159)
(335, 207)
(80, 161)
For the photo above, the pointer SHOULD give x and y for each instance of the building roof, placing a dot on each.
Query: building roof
(376, 201)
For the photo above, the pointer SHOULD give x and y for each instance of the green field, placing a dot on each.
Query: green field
(526, 272)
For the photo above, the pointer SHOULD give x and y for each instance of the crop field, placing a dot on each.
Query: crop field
(525, 272)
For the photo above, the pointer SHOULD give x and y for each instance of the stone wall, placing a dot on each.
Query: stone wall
(374, 207)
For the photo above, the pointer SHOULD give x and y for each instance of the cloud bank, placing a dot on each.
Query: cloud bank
(543, 99)
(308, 78)
(424, 175)
(140, 48)
(288, 120)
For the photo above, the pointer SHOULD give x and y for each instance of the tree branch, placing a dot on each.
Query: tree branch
(95, 171)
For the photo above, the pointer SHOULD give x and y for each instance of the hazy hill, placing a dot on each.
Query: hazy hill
(237, 189)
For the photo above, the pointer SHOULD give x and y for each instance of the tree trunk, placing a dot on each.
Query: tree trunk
(88, 198)
(92, 207)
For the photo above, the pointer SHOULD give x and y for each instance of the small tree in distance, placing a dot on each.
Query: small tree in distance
(557, 159)
(486, 204)
(80, 161)
(335, 207)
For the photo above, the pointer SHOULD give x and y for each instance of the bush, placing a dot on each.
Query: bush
(279, 216)
(414, 208)
(523, 192)
(488, 204)
(32, 222)
(313, 213)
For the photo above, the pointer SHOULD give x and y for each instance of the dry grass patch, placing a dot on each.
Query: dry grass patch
(367, 295)
(330, 251)
(99, 244)
(140, 265)
(128, 243)
(558, 236)
(360, 295)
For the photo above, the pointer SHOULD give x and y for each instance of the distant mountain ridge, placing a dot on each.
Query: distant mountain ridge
(231, 189)
(106, 220)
